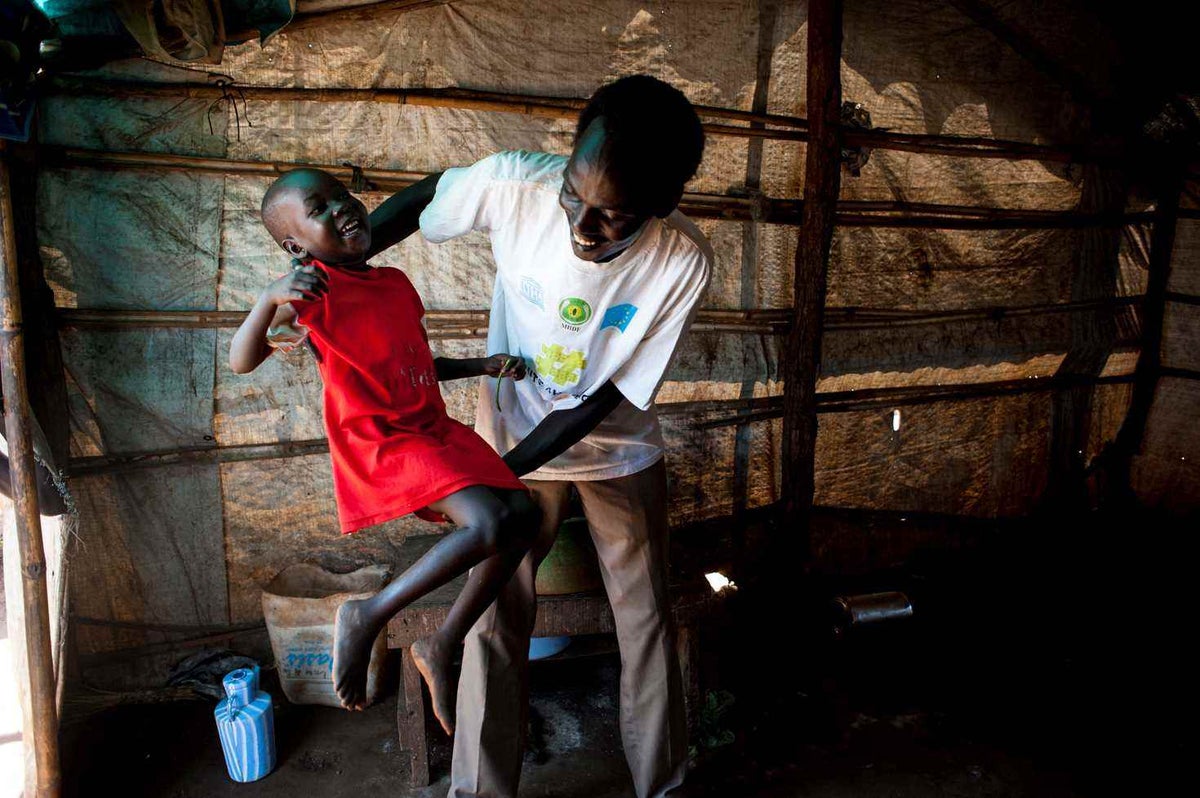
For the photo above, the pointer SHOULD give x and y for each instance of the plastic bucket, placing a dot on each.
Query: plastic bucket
(300, 605)
(571, 565)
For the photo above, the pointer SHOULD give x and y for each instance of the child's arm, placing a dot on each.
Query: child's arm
(501, 365)
(249, 347)
(399, 216)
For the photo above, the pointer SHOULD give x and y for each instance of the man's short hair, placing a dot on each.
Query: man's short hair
(652, 130)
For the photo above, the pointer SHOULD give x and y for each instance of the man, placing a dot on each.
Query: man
(598, 276)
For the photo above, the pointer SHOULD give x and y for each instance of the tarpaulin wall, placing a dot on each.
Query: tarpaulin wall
(190, 540)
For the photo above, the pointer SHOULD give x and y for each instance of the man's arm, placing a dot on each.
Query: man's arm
(561, 430)
(399, 216)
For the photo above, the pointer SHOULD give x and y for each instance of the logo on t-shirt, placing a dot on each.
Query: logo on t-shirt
(618, 316)
(574, 313)
(560, 365)
(531, 289)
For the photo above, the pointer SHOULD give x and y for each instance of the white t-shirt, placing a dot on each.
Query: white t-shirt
(576, 324)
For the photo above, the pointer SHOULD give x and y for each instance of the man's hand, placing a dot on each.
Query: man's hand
(502, 365)
(302, 283)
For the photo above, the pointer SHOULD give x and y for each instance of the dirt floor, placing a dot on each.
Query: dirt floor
(172, 751)
(1028, 669)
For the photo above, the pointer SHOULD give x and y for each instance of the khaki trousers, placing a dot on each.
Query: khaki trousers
(628, 521)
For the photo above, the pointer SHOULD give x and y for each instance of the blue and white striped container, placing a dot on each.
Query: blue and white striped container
(246, 723)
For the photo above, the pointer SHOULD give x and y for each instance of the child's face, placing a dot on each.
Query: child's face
(324, 221)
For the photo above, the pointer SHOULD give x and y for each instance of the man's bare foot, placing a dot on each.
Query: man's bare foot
(432, 659)
(353, 638)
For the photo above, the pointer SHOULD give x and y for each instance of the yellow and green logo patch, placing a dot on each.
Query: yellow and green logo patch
(574, 312)
(560, 365)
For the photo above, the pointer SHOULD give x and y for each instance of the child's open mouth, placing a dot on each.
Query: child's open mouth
(351, 228)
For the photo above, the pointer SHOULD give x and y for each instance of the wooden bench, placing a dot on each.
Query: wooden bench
(574, 614)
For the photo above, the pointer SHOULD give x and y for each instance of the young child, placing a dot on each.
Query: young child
(394, 448)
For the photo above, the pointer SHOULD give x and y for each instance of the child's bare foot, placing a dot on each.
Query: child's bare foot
(432, 659)
(353, 638)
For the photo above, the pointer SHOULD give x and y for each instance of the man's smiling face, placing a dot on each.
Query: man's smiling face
(604, 212)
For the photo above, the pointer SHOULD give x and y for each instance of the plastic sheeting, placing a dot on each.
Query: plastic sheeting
(143, 239)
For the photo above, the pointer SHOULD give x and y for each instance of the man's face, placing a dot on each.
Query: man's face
(324, 220)
(604, 215)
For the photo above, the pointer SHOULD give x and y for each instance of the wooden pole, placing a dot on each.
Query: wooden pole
(451, 324)
(39, 660)
(788, 128)
(1094, 336)
(850, 213)
(1118, 458)
(748, 410)
(802, 351)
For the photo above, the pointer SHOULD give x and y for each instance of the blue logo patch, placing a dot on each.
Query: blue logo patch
(618, 316)
(531, 289)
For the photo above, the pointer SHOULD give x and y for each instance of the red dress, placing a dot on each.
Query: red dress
(394, 448)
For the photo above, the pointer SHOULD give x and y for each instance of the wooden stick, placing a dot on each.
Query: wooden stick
(1093, 338)
(208, 453)
(969, 147)
(441, 324)
(785, 127)
(877, 398)
(704, 206)
(1183, 299)
(801, 361)
(1129, 438)
(753, 409)
(166, 628)
(457, 99)
(42, 688)
(1178, 373)
(869, 398)
(467, 324)
(838, 319)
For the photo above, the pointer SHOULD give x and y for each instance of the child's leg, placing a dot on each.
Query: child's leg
(434, 655)
(488, 524)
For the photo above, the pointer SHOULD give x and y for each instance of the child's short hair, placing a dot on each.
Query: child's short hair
(270, 201)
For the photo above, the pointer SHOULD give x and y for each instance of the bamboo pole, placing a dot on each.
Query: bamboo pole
(43, 737)
(1178, 373)
(801, 362)
(209, 453)
(749, 410)
(785, 127)
(1183, 299)
(440, 324)
(452, 98)
(452, 324)
(850, 213)
(879, 398)
(1128, 442)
